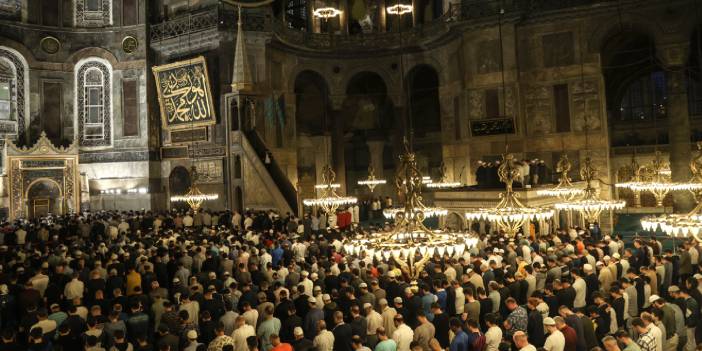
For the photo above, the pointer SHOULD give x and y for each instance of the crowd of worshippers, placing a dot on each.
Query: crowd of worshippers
(145, 281)
(531, 173)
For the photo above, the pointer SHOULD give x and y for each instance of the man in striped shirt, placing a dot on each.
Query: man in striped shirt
(646, 341)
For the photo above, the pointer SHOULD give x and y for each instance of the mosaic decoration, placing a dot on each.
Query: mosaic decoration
(106, 139)
(184, 94)
(209, 171)
(19, 88)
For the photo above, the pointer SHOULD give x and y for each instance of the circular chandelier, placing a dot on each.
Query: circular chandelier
(682, 225)
(443, 183)
(590, 206)
(399, 9)
(329, 200)
(410, 244)
(194, 197)
(326, 12)
(565, 189)
(509, 214)
(657, 182)
(371, 182)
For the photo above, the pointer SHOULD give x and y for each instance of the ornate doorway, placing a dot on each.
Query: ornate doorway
(44, 197)
(42, 179)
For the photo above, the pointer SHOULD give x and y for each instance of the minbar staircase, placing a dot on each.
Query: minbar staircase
(281, 181)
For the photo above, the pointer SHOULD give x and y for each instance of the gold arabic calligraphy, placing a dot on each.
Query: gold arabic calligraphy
(185, 96)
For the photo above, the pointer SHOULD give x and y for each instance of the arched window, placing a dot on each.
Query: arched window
(13, 85)
(93, 108)
(7, 95)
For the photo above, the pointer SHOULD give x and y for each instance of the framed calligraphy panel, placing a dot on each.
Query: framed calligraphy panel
(184, 94)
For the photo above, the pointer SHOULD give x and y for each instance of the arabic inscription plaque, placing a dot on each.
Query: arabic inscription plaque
(184, 94)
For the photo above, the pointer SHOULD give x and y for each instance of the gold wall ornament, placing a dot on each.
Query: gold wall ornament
(130, 44)
(50, 45)
(42, 162)
(184, 94)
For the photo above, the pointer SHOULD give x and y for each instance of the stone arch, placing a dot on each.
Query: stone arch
(93, 53)
(311, 116)
(21, 73)
(431, 62)
(44, 189)
(628, 22)
(389, 78)
(425, 108)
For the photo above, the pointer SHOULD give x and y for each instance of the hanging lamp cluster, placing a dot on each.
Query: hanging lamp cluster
(372, 181)
(654, 178)
(590, 206)
(329, 200)
(682, 225)
(510, 214)
(565, 190)
(409, 243)
(194, 197)
(443, 182)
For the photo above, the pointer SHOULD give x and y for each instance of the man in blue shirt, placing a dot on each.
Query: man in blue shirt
(460, 342)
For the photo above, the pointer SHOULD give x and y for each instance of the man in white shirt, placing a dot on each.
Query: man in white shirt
(374, 321)
(555, 340)
(460, 297)
(580, 288)
(493, 336)
(403, 334)
(74, 289)
(324, 341)
(653, 329)
(522, 342)
(242, 331)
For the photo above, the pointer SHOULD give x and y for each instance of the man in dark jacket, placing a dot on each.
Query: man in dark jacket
(342, 333)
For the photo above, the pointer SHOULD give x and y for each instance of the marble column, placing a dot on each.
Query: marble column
(674, 57)
(338, 145)
(375, 148)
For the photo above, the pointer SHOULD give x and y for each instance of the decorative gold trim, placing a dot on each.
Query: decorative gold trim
(42, 150)
(208, 93)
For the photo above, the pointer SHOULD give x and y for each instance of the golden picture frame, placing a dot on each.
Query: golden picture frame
(184, 94)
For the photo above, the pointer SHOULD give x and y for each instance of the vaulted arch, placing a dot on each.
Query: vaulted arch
(312, 103)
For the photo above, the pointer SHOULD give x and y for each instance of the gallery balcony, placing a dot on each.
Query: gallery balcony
(307, 34)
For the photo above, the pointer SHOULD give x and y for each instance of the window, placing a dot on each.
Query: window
(93, 5)
(50, 119)
(296, 13)
(5, 101)
(492, 103)
(93, 13)
(50, 10)
(93, 127)
(644, 98)
(94, 98)
(130, 108)
(561, 107)
(130, 12)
